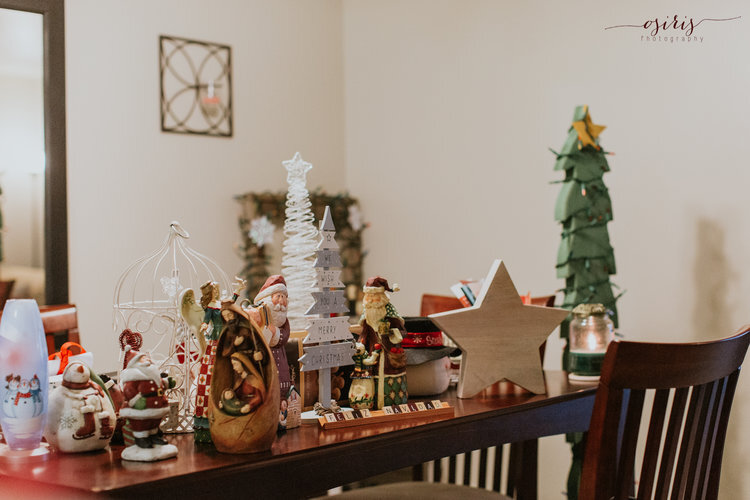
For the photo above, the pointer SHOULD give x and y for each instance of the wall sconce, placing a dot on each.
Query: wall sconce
(196, 86)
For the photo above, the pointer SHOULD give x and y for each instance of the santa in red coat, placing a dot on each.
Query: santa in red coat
(145, 405)
(270, 312)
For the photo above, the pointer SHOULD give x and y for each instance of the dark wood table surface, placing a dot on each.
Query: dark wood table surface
(308, 460)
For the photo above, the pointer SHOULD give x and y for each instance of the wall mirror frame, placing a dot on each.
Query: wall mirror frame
(55, 185)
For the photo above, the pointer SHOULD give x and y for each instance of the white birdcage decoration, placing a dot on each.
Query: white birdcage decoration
(146, 301)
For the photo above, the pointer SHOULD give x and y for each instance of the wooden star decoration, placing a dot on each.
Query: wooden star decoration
(588, 132)
(499, 336)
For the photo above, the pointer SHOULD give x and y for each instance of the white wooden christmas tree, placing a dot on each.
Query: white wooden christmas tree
(328, 343)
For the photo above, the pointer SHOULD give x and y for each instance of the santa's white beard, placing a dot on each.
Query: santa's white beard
(278, 314)
(149, 371)
(374, 313)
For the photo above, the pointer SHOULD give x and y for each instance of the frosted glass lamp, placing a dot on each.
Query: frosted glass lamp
(23, 378)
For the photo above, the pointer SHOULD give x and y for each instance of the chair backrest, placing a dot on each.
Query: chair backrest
(59, 318)
(693, 386)
(432, 304)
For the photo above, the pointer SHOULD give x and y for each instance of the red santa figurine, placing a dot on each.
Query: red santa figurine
(270, 313)
(145, 405)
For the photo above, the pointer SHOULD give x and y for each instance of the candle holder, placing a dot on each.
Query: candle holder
(23, 379)
(591, 331)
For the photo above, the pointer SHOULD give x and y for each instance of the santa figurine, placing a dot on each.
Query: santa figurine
(381, 331)
(269, 312)
(145, 405)
(80, 415)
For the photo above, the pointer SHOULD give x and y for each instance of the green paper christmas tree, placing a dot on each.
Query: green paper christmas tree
(585, 258)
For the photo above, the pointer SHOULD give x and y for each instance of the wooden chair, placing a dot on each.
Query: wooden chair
(60, 325)
(693, 385)
(439, 303)
(6, 287)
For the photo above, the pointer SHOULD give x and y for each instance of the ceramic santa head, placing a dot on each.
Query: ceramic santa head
(378, 284)
(273, 284)
(274, 294)
(375, 299)
(136, 365)
(140, 367)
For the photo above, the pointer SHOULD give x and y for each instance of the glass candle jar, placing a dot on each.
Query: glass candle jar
(590, 333)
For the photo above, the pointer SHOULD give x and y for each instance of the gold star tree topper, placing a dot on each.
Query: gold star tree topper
(588, 132)
(500, 336)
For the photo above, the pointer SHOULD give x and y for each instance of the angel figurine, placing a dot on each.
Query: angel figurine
(206, 323)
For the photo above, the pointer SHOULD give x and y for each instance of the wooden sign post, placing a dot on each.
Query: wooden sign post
(328, 343)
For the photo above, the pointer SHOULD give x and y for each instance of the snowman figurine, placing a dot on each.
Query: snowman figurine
(36, 395)
(23, 406)
(80, 415)
(9, 398)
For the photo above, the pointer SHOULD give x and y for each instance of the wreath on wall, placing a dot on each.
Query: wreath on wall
(263, 213)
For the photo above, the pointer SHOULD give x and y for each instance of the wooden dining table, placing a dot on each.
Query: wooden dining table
(308, 460)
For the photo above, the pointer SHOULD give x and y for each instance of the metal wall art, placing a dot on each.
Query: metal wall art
(196, 87)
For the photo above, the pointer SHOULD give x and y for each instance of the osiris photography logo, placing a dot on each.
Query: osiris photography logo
(671, 29)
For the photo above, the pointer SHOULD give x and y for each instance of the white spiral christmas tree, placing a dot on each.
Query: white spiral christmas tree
(300, 243)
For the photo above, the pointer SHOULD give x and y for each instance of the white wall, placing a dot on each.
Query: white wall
(451, 106)
(127, 180)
